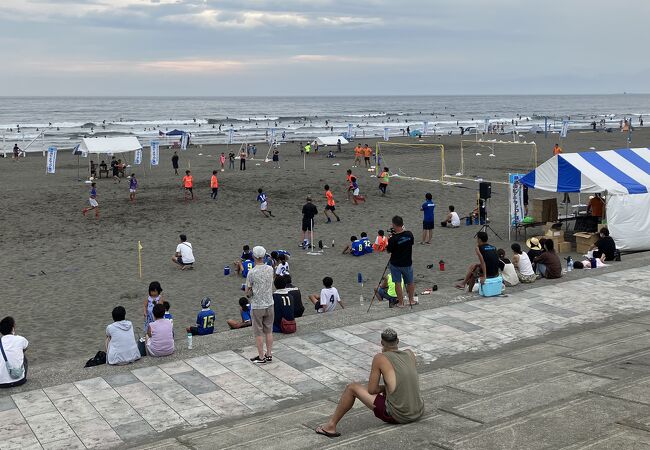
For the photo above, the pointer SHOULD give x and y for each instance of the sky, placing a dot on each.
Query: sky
(323, 47)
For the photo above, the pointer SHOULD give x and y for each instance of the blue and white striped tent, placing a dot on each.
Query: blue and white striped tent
(624, 174)
(622, 171)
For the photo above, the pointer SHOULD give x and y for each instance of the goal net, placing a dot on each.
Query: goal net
(488, 160)
(417, 161)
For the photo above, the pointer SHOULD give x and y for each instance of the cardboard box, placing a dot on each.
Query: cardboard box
(554, 234)
(584, 241)
(564, 247)
(544, 209)
(556, 240)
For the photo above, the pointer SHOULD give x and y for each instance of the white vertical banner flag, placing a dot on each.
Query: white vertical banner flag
(486, 126)
(185, 138)
(51, 160)
(349, 130)
(230, 135)
(386, 134)
(138, 157)
(272, 138)
(516, 195)
(155, 153)
(425, 127)
(565, 128)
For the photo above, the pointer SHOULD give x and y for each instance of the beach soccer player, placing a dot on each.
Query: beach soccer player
(92, 201)
(358, 151)
(557, 150)
(367, 153)
(384, 178)
(264, 203)
(214, 184)
(348, 178)
(428, 223)
(356, 194)
(309, 211)
(133, 187)
(331, 205)
(188, 185)
(175, 163)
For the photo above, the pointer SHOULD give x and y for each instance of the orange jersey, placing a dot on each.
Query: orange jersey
(380, 244)
(358, 151)
(187, 181)
(330, 198)
(349, 178)
(214, 183)
(367, 152)
(557, 150)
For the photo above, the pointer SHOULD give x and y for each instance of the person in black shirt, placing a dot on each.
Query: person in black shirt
(296, 297)
(282, 304)
(400, 247)
(606, 247)
(308, 212)
(487, 267)
(175, 163)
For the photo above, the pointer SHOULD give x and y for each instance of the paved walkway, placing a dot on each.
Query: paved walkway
(138, 405)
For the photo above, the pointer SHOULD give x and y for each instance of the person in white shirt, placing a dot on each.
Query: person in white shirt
(328, 298)
(282, 268)
(13, 355)
(522, 264)
(452, 220)
(184, 255)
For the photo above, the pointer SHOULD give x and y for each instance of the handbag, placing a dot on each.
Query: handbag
(288, 326)
(15, 373)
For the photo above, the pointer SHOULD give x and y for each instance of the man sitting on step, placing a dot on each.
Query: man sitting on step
(396, 401)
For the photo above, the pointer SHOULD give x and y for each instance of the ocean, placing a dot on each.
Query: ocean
(39, 122)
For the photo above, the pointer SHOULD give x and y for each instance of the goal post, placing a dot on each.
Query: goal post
(489, 160)
(417, 161)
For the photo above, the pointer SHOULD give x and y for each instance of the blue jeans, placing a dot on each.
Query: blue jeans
(398, 272)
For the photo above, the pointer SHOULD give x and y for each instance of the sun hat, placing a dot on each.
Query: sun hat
(259, 252)
(533, 244)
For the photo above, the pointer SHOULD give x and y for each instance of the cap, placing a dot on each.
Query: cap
(533, 244)
(205, 303)
(259, 252)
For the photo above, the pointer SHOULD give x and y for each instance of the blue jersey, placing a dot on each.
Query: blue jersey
(247, 265)
(93, 193)
(168, 316)
(246, 316)
(246, 255)
(357, 248)
(205, 322)
(261, 198)
(133, 184)
(367, 245)
(283, 252)
(427, 208)
(268, 260)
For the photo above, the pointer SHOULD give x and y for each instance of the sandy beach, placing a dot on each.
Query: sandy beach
(63, 273)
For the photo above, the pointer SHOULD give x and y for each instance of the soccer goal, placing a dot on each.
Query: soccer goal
(418, 162)
(488, 160)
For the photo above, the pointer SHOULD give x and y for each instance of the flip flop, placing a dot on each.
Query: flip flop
(322, 432)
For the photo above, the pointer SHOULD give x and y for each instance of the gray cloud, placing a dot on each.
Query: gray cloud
(321, 46)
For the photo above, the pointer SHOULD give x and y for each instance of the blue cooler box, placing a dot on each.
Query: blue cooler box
(492, 287)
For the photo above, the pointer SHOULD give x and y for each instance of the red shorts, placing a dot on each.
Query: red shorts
(380, 409)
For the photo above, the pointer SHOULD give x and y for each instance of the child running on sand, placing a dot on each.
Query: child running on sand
(214, 184)
(133, 186)
(188, 184)
(356, 196)
(264, 204)
(331, 204)
(348, 178)
(92, 200)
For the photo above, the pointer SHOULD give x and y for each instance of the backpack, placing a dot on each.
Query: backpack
(288, 326)
(97, 360)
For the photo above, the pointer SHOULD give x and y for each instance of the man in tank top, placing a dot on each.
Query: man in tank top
(396, 401)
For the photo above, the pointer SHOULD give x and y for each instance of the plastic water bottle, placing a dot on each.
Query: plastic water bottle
(189, 341)
(332, 243)
(361, 301)
(569, 264)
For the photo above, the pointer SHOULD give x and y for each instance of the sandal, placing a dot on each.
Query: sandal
(322, 432)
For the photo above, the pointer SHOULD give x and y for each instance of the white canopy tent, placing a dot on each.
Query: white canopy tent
(624, 174)
(330, 140)
(110, 145)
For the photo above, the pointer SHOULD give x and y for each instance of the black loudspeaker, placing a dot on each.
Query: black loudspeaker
(485, 190)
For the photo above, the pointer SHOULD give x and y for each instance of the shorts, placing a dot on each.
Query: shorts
(263, 206)
(427, 225)
(132, 191)
(366, 158)
(398, 272)
(306, 224)
(383, 293)
(330, 208)
(379, 408)
(93, 202)
(179, 260)
(262, 321)
(355, 192)
(188, 189)
(318, 307)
